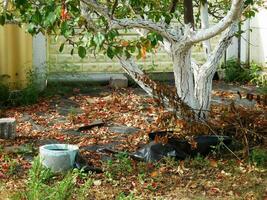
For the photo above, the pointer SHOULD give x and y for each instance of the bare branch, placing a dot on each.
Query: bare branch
(173, 6)
(232, 16)
(188, 12)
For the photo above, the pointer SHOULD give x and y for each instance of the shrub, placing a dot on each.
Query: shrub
(43, 184)
(26, 96)
(240, 72)
(259, 157)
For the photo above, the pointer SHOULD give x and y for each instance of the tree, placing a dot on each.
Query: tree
(94, 25)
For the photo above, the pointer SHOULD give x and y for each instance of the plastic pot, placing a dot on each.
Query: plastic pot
(58, 157)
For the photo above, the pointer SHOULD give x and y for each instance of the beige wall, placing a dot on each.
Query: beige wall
(15, 55)
(64, 62)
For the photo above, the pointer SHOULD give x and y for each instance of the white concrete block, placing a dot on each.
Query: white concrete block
(7, 128)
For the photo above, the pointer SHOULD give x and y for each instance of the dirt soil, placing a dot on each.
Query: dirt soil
(121, 121)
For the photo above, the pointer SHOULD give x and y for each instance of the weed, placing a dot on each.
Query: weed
(199, 162)
(43, 184)
(218, 149)
(121, 166)
(141, 178)
(170, 162)
(26, 96)
(13, 167)
(257, 78)
(259, 157)
(240, 72)
(122, 196)
(72, 114)
(27, 149)
(82, 192)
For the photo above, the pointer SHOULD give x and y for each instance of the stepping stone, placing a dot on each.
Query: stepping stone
(68, 103)
(123, 129)
(67, 110)
(118, 82)
(37, 127)
(7, 128)
(25, 118)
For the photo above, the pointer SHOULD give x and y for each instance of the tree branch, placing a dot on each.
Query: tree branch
(210, 66)
(160, 28)
(188, 12)
(173, 6)
(231, 16)
(204, 16)
(95, 6)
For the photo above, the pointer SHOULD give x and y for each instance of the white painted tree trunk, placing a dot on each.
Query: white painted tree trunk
(204, 16)
(193, 82)
(184, 77)
(193, 87)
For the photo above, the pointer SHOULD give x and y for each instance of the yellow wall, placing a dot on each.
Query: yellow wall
(15, 55)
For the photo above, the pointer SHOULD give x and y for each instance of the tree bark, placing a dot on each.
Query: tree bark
(184, 76)
(204, 16)
(188, 12)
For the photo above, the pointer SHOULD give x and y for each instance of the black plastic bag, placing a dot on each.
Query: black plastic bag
(178, 149)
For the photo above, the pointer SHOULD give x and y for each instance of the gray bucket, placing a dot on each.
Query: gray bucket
(58, 157)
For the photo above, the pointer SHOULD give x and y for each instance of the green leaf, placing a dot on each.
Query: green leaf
(110, 53)
(99, 39)
(61, 48)
(31, 29)
(81, 51)
(2, 20)
(127, 54)
(65, 29)
(50, 19)
(37, 17)
(159, 37)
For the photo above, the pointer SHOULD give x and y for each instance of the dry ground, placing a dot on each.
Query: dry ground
(57, 118)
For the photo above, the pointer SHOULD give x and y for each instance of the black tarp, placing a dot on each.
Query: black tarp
(179, 149)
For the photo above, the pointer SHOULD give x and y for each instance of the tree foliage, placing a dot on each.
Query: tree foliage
(88, 28)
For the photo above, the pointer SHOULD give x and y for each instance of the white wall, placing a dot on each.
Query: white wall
(39, 59)
(258, 38)
(253, 40)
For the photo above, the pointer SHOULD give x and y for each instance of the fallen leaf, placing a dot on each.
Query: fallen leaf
(213, 163)
(97, 182)
(154, 174)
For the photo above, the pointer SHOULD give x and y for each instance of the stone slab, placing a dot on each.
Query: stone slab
(118, 82)
(123, 129)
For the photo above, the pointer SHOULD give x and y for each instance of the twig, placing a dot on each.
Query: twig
(205, 123)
